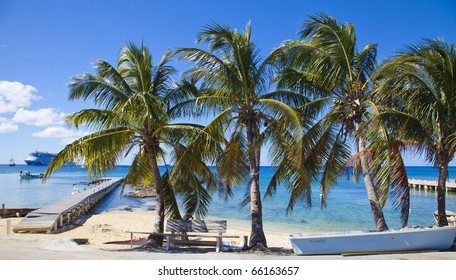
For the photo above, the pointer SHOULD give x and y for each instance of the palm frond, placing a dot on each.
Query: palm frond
(208, 63)
(93, 119)
(291, 98)
(232, 167)
(140, 171)
(335, 38)
(287, 115)
(170, 201)
(387, 165)
(205, 105)
(336, 159)
(367, 62)
(100, 90)
(196, 201)
(101, 150)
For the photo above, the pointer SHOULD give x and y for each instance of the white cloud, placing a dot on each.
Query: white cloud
(67, 135)
(40, 117)
(7, 126)
(14, 95)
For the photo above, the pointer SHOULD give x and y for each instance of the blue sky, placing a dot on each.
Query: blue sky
(45, 43)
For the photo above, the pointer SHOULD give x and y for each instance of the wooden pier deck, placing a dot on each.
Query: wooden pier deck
(430, 185)
(50, 217)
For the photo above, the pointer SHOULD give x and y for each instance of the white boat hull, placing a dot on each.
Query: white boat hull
(408, 239)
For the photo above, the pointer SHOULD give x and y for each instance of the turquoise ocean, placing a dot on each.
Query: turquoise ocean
(347, 204)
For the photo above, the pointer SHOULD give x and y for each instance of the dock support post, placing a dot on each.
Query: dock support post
(8, 226)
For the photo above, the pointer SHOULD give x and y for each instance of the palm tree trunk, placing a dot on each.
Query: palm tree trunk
(376, 208)
(160, 207)
(441, 188)
(257, 237)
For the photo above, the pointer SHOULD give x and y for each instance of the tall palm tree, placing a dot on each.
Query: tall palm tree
(330, 67)
(135, 102)
(234, 85)
(420, 82)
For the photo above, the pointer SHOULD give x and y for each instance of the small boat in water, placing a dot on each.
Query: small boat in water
(28, 175)
(11, 162)
(406, 239)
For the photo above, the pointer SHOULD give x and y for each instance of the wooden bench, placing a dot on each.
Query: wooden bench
(177, 232)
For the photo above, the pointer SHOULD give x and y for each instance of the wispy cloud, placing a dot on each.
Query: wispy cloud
(40, 117)
(67, 135)
(7, 126)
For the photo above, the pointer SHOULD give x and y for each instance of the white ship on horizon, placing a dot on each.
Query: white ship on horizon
(39, 158)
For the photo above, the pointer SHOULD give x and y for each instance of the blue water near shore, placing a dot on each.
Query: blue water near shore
(347, 209)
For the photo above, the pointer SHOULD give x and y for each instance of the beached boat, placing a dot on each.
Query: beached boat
(28, 175)
(451, 217)
(406, 239)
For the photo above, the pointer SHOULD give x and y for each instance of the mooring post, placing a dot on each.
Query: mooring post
(8, 226)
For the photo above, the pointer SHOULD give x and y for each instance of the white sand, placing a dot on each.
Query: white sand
(113, 226)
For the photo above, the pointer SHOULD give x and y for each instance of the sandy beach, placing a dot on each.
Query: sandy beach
(113, 226)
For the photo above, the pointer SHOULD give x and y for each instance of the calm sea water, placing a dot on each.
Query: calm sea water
(348, 207)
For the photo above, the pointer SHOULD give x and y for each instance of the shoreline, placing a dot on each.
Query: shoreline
(347, 209)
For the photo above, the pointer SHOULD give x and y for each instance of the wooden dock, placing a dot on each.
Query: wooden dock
(50, 217)
(430, 185)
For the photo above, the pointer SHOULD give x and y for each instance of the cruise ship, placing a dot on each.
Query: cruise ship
(39, 158)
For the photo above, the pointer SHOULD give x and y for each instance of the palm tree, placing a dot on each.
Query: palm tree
(330, 67)
(420, 83)
(234, 86)
(136, 100)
